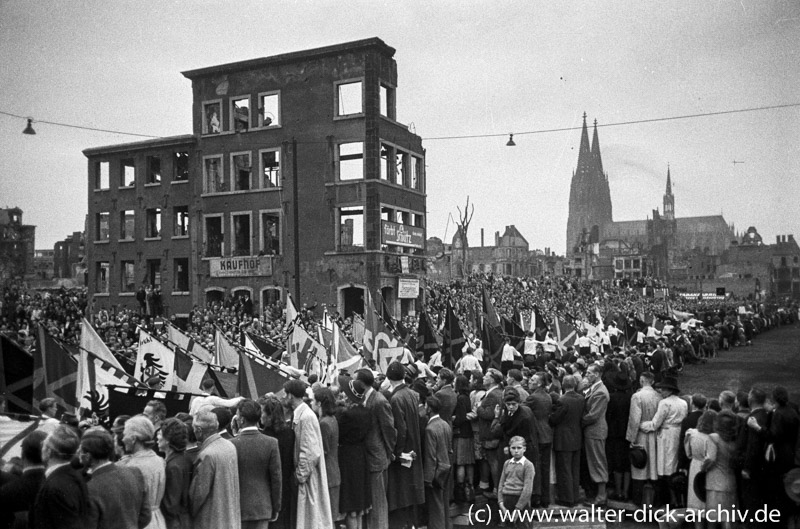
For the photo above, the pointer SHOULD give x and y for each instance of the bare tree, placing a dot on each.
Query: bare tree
(464, 218)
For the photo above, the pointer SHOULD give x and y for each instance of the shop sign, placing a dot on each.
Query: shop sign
(401, 235)
(407, 288)
(240, 266)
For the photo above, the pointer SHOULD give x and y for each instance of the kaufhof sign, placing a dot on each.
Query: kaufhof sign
(402, 235)
(240, 266)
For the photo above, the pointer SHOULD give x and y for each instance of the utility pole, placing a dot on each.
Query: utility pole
(296, 221)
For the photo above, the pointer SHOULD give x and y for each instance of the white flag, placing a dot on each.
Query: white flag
(155, 360)
(91, 341)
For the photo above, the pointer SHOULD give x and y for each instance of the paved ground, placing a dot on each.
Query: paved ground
(773, 359)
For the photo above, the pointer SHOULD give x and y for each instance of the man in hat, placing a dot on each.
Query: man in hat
(671, 411)
(446, 394)
(490, 442)
(644, 405)
(595, 431)
(406, 487)
(379, 444)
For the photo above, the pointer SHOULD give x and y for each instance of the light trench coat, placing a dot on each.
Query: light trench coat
(667, 425)
(644, 404)
(313, 502)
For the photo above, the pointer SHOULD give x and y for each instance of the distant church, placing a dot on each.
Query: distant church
(662, 246)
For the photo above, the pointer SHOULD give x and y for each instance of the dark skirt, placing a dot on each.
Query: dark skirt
(618, 454)
(463, 451)
(354, 493)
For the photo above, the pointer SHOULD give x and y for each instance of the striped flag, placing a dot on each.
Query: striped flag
(55, 373)
(16, 376)
(95, 374)
(154, 359)
(258, 376)
(225, 351)
(91, 341)
(566, 333)
(13, 429)
(189, 374)
(187, 343)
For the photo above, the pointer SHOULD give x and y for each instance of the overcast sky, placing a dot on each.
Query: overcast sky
(464, 68)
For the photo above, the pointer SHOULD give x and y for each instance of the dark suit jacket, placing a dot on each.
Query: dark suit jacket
(438, 440)
(382, 434)
(783, 426)
(447, 397)
(566, 422)
(118, 498)
(259, 475)
(62, 502)
(594, 412)
(175, 503)
(750, 446)
(17, 496)
(541, 404)
(689, 422)
(485, 413)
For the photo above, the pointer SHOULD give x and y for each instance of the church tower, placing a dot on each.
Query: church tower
(589, 195)
(669, 199)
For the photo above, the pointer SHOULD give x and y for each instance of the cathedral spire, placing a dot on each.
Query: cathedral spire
(669, 182)
(584, 139)
(596, 150)
(669, 198)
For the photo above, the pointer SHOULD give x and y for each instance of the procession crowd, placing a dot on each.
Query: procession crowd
(602, 420)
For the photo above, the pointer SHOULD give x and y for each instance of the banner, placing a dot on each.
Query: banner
(155, 361)
(407, 288)
(131, 401)
(387, 355)
(225, 352)
(258, 376)
(303, 349)
(16, 376)
(189, 374)
(55, 373)
(13, 429)
(94, 375)
(401, 235)
(240, 266)
(188, 344)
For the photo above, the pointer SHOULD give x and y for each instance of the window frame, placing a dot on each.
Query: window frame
(98, 177)
(97, 270)
(175, 223)
(338, 161)
(122, 276)
(232, 114)
(259, 104)
(279, 214)
(336, 98)
(233, 233)
(235, 173)
(175, 289)
(122, 231)
(261, 153)
(207, 216)
(98, 223)
(149, 171)
(221, 159)
(175, 157)
(203, 125)
(159, 223)
(122, 172)
(338, 240)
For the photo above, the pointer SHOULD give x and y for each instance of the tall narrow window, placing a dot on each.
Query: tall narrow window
(241, 234)
(181, 163)
(398, 169)
(214, 237)
(269, 109)
(103, 177)
(212, 175)
(240, 167)
(270, 169)
(212, 118)
(180, 274)
(153, 223)
(180, 221)
(127, 173)
(416, 173)
(386, 155)
(351, 228)
(271, 233)
(128, 276)
(127, 225)
(240, 114)
(101, 226)
(102, 270)
(153, 170)
(154, 272)
(351, 161)
(349, 99)
(387, 96)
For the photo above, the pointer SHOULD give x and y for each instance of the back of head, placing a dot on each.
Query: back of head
(140, 428)
(446, 375)
(32, 447)
(206, 421)
(725, 425)
(295, 388)
(699, 401)
(756, 397)
(366, 376)
(706, 422)
(224, 416)
(176, 433)
(727, 399)
(62, 443)
(780, 395)
(98, 442)
(569, 383)
(249, 411)
(515, 374)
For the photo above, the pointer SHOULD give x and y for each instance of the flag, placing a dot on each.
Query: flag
(358, 329)
(55, 373)
(291, 310)
(189, 374)
(16, 376)
(492, 344)
(258, 376)
(567, 334)
(598, 317)
(154, 361)
(94, 377)
(452, 339)
(225, 351)
(13, 429)
(265, 347)
(387, 355)
(303, 350)
(539, 325)
(225, 382)
(426, 337)
(488, 310)
(187, 343)
(131, 401)
(370, 327)
(92, 342)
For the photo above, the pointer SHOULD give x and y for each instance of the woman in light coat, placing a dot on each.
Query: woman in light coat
(138, 438)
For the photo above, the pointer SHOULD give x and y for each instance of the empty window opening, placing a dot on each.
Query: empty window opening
(351, 161)
(212, 117)
(270, 169)
(180, 275)
(240, 114)
(386, 154)
(388, 106)
(101, 277)
(127, 173)
(154, 272)
(101, 226)
(103, 177)
(153, 223)
(180, 221)
(416, 173)
(349, 98)
(242, 171)
(214, 237)
(213, 178)
(241, 234)
(153, 170)
(181, 161)
(351, 227)
(399, 170)
(269, 111)
(127, 225)
(271, 233)
(128, 276)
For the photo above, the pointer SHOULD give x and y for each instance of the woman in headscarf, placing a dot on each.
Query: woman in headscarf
(138, 439)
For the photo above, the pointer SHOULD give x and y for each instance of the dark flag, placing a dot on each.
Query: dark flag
(542, 326)
(492, 345)
(488, 310)
(226, 383)
(55, 373)
(258, 377)
(452, 339)
(131, 401)
(16, 376)
(515, 332)
(426, 337)
(267, 348)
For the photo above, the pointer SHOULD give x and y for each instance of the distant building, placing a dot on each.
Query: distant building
(43, 263)
(17, 242)
(69, 257)
(298, 178)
